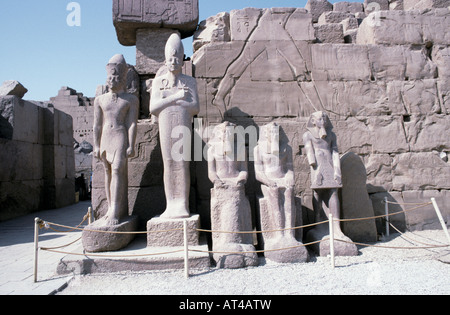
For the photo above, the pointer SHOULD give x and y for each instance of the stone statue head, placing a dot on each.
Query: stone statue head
(319, 125)
(174, 53)
(117, 71)
(270, 136)
(223, 139)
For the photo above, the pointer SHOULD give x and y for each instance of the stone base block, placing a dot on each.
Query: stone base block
(169, 232)
(104, 242)
(135, 257)
(323, 248)
(239, 256)
(294, 252)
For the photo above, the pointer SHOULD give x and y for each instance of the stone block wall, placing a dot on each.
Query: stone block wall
(386, 91)
(37, 158)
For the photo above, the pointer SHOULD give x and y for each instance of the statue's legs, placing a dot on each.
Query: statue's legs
(116, 187)
(177, 186)
(175, 131)
(289, 212)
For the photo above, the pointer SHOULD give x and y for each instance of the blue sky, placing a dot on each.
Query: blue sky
(40, 50)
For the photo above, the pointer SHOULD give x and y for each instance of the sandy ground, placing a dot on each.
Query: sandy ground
(375, 270)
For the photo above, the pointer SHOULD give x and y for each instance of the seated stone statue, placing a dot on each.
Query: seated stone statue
(277, 210)
(115, 123)
(323, 157)
(174, 101)
(230, 208)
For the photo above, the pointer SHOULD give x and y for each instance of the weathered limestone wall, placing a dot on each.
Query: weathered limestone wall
(37, 158)
(383, 79)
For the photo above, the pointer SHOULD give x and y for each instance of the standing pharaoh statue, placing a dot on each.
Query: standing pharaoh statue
(277, 210)
(115, 122)
(230, 208)
(323, 157)
(174, 100)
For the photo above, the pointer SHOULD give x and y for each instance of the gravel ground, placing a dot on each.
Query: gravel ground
(374, 271)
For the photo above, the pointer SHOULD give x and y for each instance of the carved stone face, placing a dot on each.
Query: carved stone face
(224, 135)
(320, 120)
(174, 63)
(272, 138)
(174, 53)
(116, 70)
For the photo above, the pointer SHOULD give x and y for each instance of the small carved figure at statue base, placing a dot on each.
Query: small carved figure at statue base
(277, 210)
(323, 157)
(230, 208)
(115, 122)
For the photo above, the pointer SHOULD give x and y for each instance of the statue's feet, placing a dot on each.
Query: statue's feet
(107, 220)
(176, 213)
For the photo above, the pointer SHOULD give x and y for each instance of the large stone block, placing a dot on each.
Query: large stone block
(441, 56)
(424, 4)
(355, 200)
(131, 15)
(169, 232)
(20, 198)
(150, 46)
(329, 33)
(213, 29)
(340, 62)
(100, 238)
(418, 171)
(19, 119)
(425, 217)
(428, 132)
(317, 7)
(333, 17)
(412, 27)
(379, 172)
(271, 24)
(348, 7)
(375, 5)
(14, 88)
(413, 212)
(376, 134)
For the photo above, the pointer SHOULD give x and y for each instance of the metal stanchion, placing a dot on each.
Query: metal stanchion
(441, 219)
(386, 212)
(331, 239)
(37, 221)
(186, 249)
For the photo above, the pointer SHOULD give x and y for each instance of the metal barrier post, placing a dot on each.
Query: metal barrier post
(186, 249)
(331, 239)
(36, 247)
(441, 219)
(386, 212)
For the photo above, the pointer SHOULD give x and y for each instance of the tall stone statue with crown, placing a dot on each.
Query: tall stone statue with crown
(174, 101)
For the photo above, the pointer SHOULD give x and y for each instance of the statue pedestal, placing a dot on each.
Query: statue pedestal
(321, 232)
(104, 242)
(280, 246)
(163, 232)
(135, 257)
(230, 211)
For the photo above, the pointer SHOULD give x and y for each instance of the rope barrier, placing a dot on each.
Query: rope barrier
(406, 203)
(260, 232)
(256, 251)
(39, 224)
(109, 232)
(111, 256)
(391, 247)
